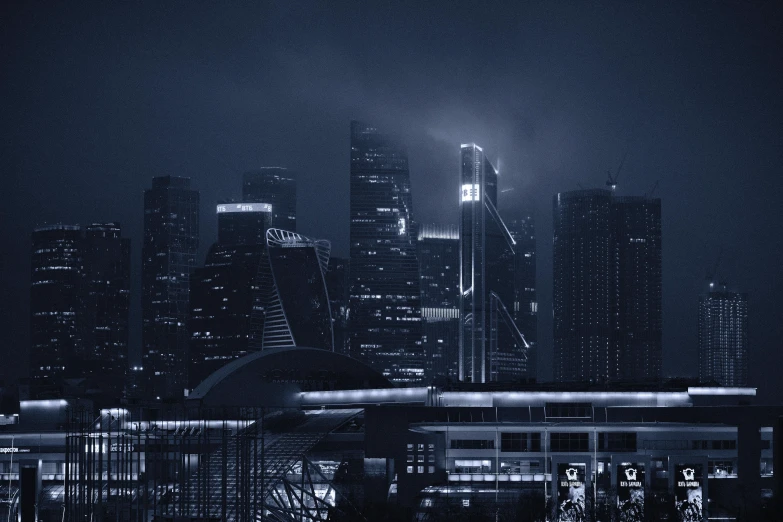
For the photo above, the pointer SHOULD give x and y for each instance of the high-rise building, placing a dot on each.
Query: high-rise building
(277, 187)
(222, 297)
(80, 300)
(243, 223)
(57, 314)
(438, 253)
(723, 337)
(107, 303)
(637, 287)
(337, 288)
(171, 236)
(525, 308)
(385, 315)
(295, 300)
(607, 287)
(492, 348)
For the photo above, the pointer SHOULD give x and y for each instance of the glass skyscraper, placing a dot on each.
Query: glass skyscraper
(57, 313)
(277, 187)
(385, 315)
(337, 288)
(492, 347)
(243, 223)
(525, 307)
(607, 287)
(723, 337)
(80, 300)
(438, 252)
(171, 238)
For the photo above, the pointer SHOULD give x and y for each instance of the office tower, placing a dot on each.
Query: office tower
(525, 312)
(723, 337)
(607, 287)
(57, 332)
(337, 288)
(637, 287)
(438, 253)
(243, 223)
(384, 298)
(276, 186)
(171, 234)
(492, 348)
(296, 304)
(107, 303)
(222, 296)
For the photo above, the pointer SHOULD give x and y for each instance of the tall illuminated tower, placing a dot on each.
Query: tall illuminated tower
(277, 187)
(723, 337)
(384, 300)
(171, 234)
(492, 347)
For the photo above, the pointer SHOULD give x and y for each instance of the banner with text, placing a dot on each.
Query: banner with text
(630, 492)
(688, 497)
(571, 493)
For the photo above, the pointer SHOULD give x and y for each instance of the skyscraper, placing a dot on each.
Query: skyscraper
(492, 348)
(607, 287)
(243, 223)
(723, 337)
(337, 288)
(525, 312)
(222, 297)
(276, 186)
(107, 303)
(385, 316)
(57, 314)
(438, 253)
(80, 300)
(637, 287)
(171, 236)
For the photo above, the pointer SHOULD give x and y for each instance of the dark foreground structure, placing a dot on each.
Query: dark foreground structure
(307, 434)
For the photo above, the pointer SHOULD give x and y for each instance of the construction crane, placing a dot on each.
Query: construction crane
(712, 276)
(611, 182)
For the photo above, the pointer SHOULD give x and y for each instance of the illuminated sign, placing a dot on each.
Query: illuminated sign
(243, 207)
(14, 450)
(571, 492)
(688, 492)
(470, 192)
(630, 491)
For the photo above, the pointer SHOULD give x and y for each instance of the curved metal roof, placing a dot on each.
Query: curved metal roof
(275, 377)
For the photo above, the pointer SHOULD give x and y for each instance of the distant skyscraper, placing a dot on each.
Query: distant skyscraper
(80, 299)
(243, 223)
(222, 297)
(337, 288)
(525, 309)
(723, 337)
(57, 313)
(385, 315)
(607, 287)
(107, 302)
(171, 235)
(438, 253)
(296, 304)
(637, 287)
(276, 186)
(492, 348)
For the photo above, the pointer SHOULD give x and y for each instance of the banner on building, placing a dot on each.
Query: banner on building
(571, 493)
(688, 497)
(630, 492)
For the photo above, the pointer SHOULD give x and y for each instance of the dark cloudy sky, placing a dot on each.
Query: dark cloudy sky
(97, 98)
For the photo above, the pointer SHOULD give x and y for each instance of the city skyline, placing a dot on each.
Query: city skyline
(700, 153)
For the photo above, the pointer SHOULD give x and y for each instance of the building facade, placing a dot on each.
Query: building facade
(491, 346)
(277, 187)
(337, 288)
(80, 301)
(171, 239)
(384, 302)
(723, 337)
(525, 312)
(438, 253)
(57, 312)
(243, 223)
(607, 287)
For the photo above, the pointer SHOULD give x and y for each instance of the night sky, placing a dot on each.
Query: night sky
(97, 98)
